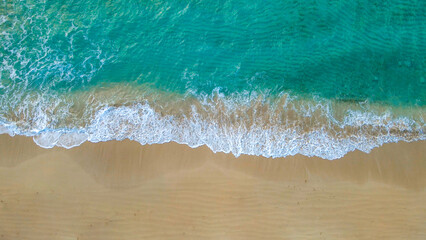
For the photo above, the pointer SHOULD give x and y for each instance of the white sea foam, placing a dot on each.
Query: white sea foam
(6, 130)
(47, 139)
(50, 139)
(142, 123)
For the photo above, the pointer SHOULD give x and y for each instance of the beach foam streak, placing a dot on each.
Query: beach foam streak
(248, 123)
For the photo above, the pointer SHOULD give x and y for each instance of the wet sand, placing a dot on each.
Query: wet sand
(122, 190)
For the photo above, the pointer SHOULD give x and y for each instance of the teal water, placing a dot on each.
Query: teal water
(327, 51)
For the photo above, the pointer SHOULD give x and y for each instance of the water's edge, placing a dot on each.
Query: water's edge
(244, 124)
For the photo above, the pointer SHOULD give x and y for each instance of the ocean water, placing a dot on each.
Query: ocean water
(271, 78)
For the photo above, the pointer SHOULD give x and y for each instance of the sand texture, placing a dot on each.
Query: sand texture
(122, 190)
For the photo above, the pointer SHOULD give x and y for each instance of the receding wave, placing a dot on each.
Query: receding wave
(245, 123)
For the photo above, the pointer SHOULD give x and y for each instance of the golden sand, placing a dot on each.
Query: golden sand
(122, 190)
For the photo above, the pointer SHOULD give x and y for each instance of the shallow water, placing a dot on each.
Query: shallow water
(271, 78)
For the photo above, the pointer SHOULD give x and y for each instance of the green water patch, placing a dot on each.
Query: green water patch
(345, 50)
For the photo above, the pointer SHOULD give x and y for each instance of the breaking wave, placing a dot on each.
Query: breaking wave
(246, 123)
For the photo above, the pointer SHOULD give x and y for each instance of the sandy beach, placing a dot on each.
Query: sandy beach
(122, 190)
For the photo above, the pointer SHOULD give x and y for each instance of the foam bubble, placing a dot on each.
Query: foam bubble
(47, 139)
(5, 130)
(72, 139)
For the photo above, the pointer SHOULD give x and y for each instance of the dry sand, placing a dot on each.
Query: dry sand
(122, 190)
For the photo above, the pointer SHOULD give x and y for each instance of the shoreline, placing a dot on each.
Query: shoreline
(246, 123)
(123, 190)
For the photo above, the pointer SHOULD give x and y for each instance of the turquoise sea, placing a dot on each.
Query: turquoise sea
(259, 77)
